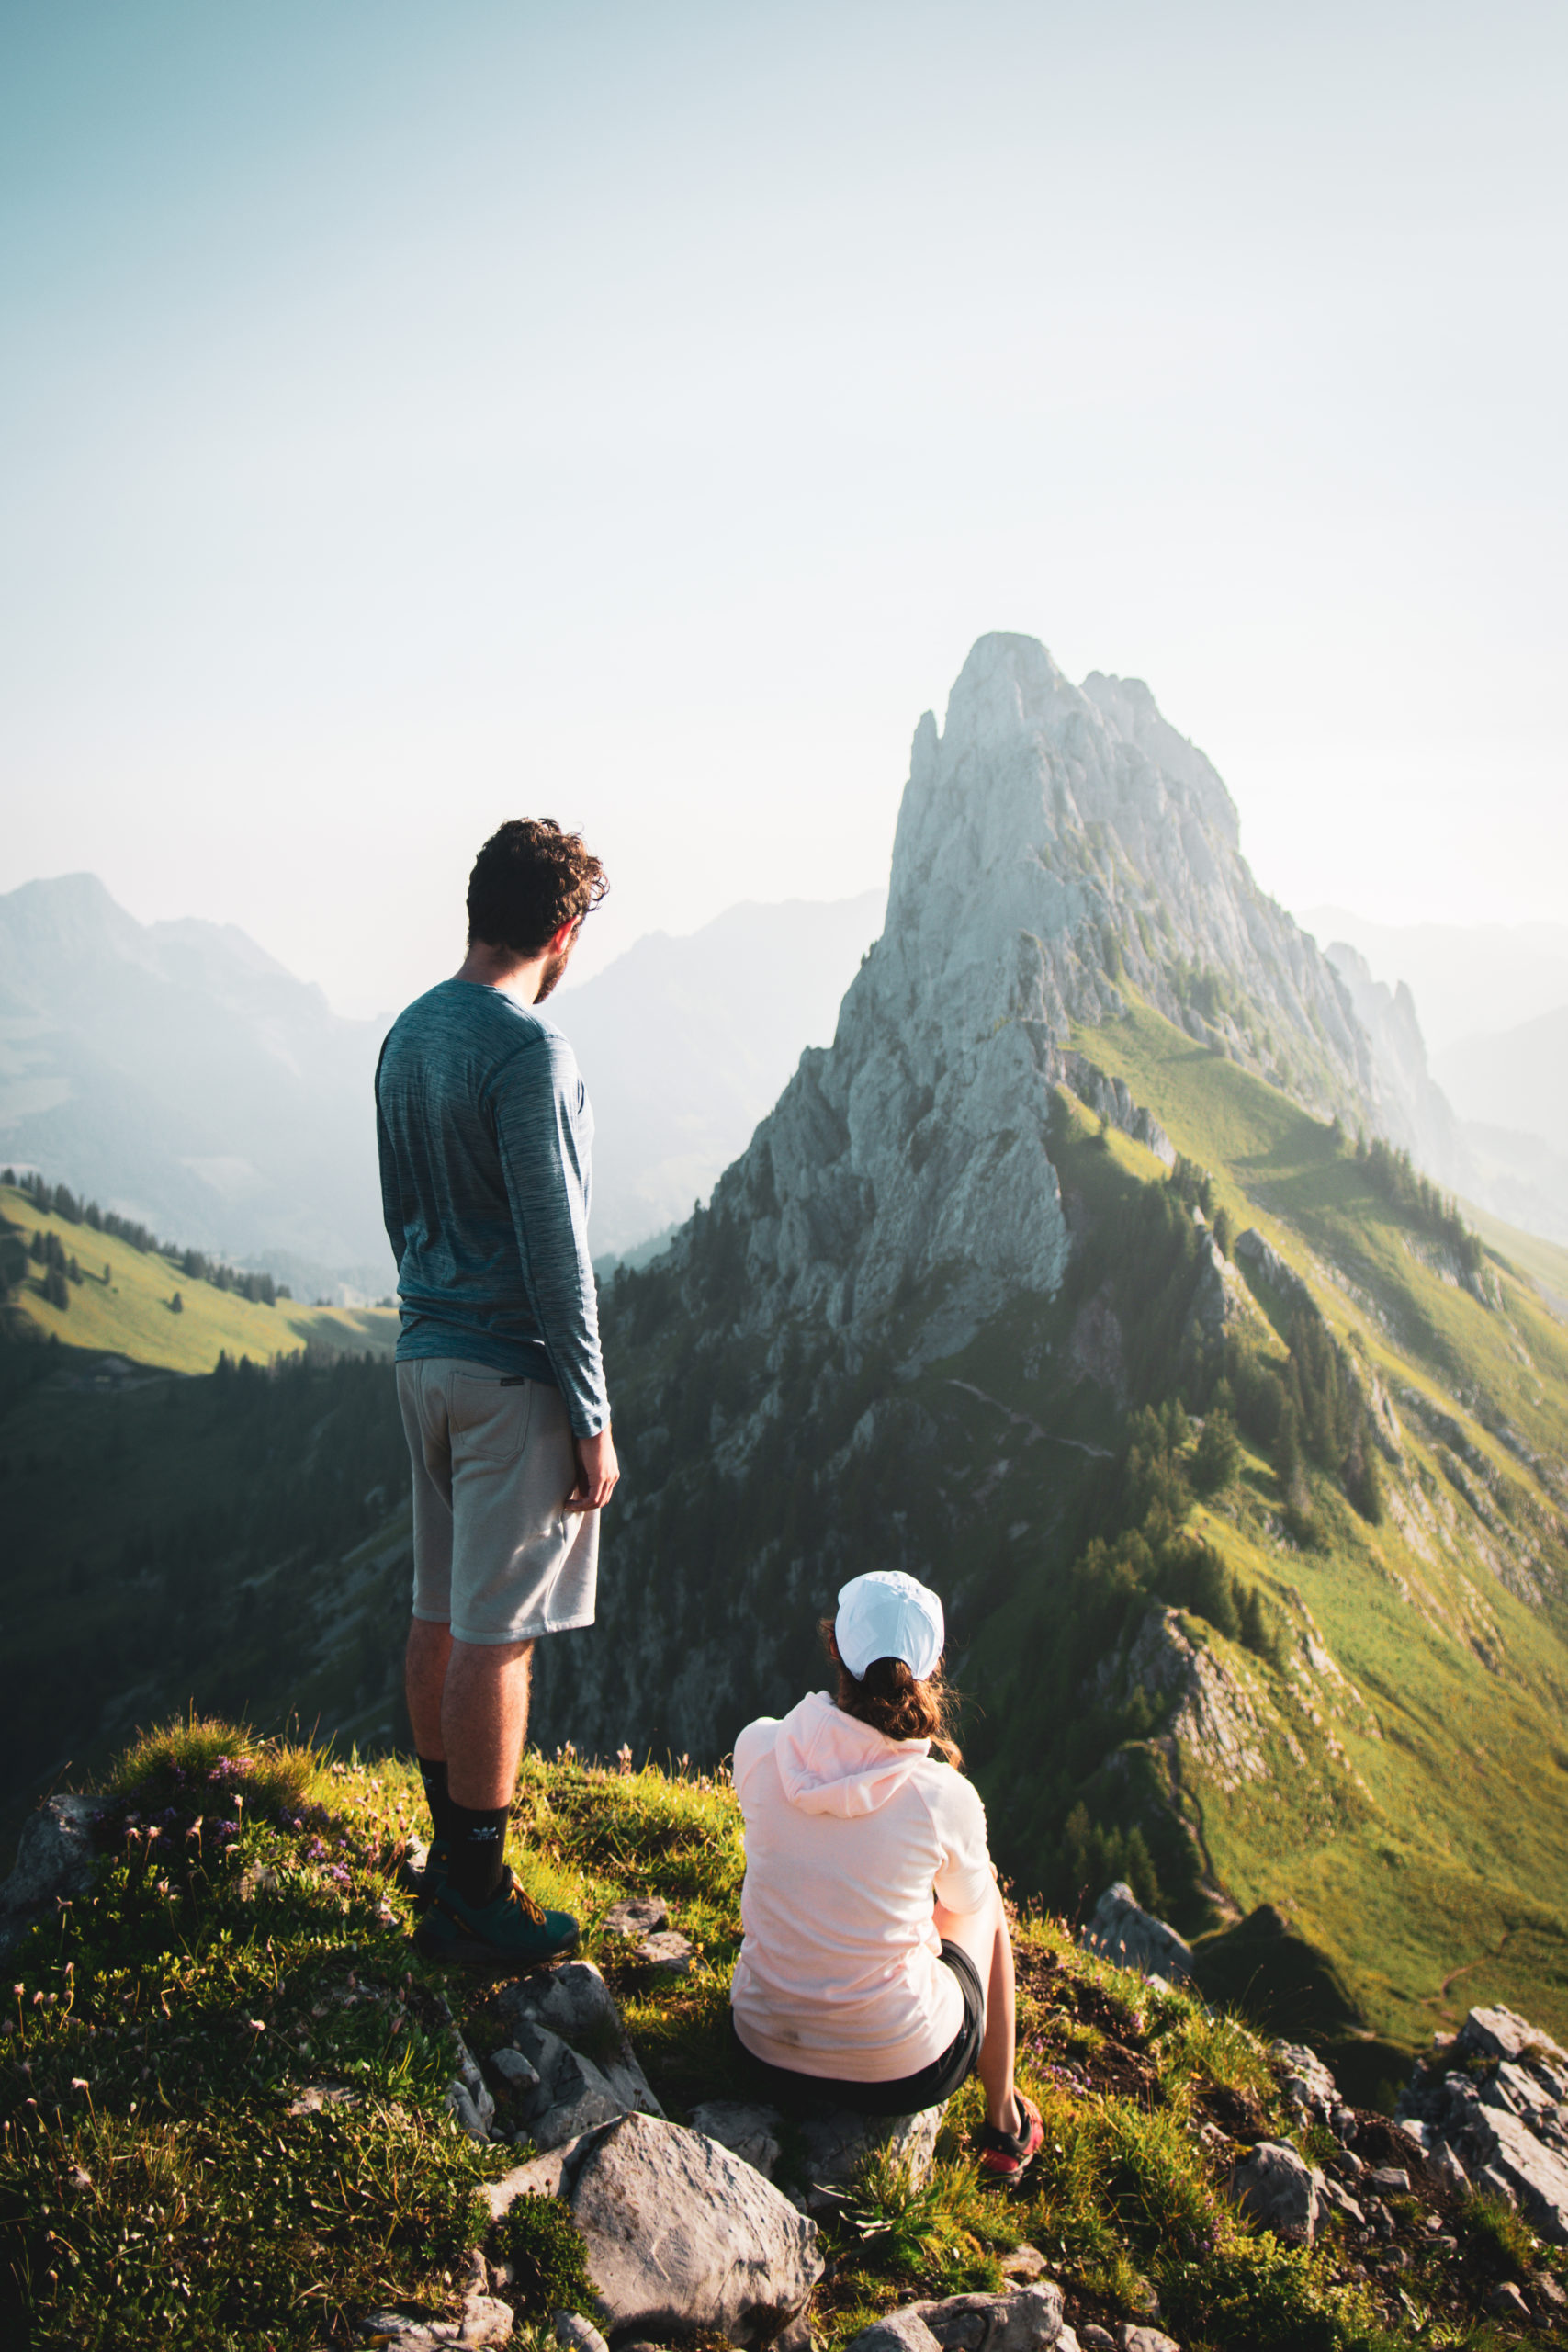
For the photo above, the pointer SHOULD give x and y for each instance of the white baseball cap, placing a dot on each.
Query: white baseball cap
(887, 1614)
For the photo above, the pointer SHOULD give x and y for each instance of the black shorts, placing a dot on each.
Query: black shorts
(933, 2085)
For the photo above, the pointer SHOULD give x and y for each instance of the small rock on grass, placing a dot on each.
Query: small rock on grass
(514, 2068)
(1389, 2180)
(638, 1916)
(575, 2333)
(1024, 2262)
(1275, 2188)
(1094, 2338)
(1026, 2321)
(485, 2320)
(1505, 2302)
(899, 2332)
(316, 2096)
(669, 1950)
(1133, 2338)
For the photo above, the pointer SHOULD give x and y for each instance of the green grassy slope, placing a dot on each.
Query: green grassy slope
(122, 1305)
(163, 2180)
(1413, 1816)
(238, 1539)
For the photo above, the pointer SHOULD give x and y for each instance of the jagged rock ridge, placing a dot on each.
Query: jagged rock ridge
(1052, 839)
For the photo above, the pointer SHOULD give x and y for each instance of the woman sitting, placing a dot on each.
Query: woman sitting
(876, 1972)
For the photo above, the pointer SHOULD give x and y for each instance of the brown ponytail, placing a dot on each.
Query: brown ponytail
(888, 1698)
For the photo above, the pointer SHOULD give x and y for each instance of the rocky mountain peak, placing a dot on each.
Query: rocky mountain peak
(1055, 843)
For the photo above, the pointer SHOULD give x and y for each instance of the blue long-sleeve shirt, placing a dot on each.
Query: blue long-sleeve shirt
(485, 1131)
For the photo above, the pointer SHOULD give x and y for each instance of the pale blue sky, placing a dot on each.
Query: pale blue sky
(416, 415)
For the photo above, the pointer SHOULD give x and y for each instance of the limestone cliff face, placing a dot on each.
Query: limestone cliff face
(1051, 840)
(1415, 1104)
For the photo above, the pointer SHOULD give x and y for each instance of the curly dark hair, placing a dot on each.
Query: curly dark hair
(527, 881)
(888, 1698)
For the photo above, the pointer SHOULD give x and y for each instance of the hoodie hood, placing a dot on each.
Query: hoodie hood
(829, 1763)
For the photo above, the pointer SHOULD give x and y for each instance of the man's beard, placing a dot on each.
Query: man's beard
(555, 965)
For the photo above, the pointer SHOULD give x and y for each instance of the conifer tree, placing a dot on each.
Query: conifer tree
(1218, 1458)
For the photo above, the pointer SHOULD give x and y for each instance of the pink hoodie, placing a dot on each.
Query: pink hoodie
(848, 1836)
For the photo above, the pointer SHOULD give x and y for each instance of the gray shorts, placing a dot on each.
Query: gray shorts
(495, 1555)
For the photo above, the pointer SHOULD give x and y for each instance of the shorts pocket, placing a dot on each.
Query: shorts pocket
(489, 1420)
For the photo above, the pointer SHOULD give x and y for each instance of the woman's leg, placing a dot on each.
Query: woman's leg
(982, 1934)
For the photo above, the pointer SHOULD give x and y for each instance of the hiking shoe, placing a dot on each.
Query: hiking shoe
(509, 1932)
(423, 1883)
(1006, 2155)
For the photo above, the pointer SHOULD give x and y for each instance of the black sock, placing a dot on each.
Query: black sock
(479, 1850)
(436, 1796)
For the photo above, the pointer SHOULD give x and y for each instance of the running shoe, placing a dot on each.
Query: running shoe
(509, 1932)
(1006, 2155)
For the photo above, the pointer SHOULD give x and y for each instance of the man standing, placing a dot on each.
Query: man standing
(484, 1132)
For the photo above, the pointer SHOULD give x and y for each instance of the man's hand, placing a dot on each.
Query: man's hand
(597, 1472)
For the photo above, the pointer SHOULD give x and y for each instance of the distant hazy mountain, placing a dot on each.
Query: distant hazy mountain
(1467, 978)
(685, 1043)
(1491, 1002)
(1515, 1076)
(175, 1072)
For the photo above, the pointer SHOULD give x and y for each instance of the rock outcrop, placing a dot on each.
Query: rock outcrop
(1051, 838)
(1281, 2191)
(54, 1863)
(1121, 1929)
(1491, 2107)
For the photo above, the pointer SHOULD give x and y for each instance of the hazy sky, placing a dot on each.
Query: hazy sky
(416, 415)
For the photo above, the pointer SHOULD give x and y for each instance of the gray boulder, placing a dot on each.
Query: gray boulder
(1446, 2166)
(1502, 2154)
(1122, 1931)
(573, 2002)
(1133, 2338)
(514, 2069)
(1503, 2033)
(749, 2132)
(682, 2235)
(1275, 2188)
(1521, 2091)
(836, 2142)
(899, 2332)
(1343, 2203)
(1306, 2080)
(571, 2095)
(1026, 2321)
(467, 2099)
(56, 1858)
